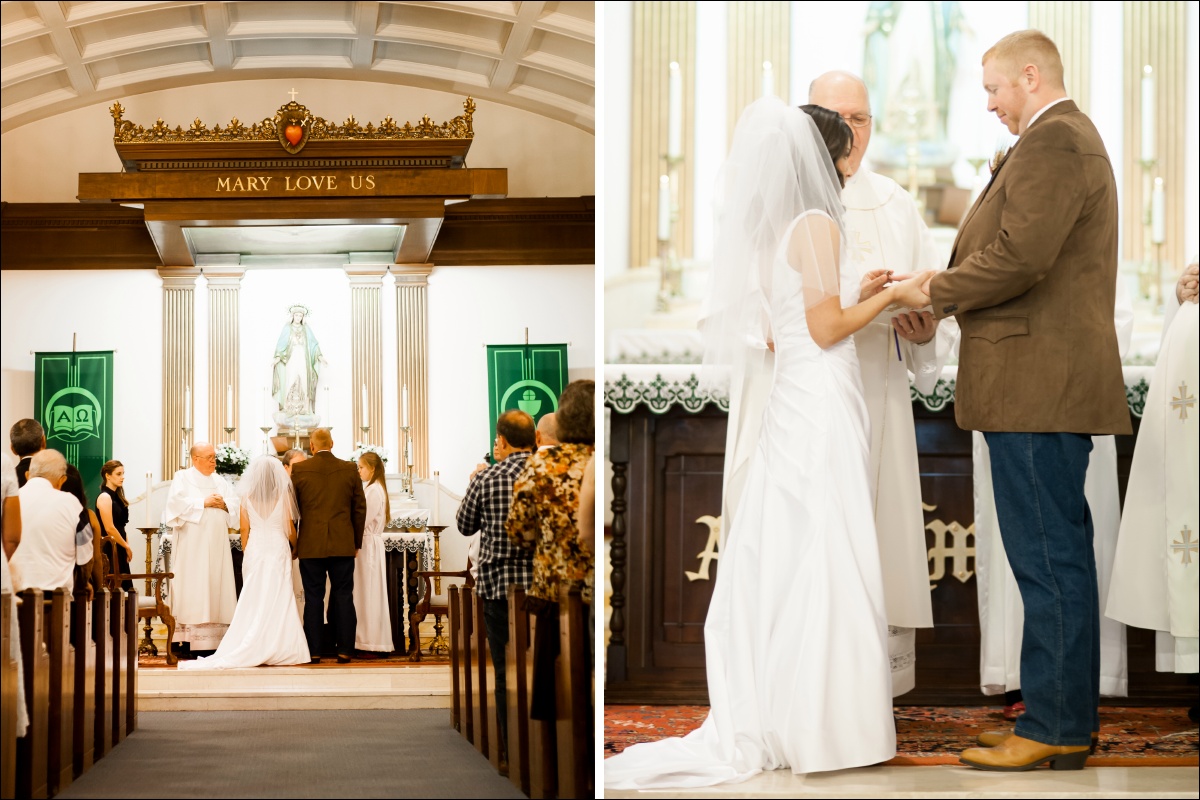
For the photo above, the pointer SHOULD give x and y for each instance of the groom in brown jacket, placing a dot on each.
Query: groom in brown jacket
(333, 513)
(1032, 281)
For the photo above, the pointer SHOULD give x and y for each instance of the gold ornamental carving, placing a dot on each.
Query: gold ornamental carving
(293, 126)
(957, 552)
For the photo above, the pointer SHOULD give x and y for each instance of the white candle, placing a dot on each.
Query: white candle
(149, 480)
(410, 460)
(664, 209)
(183, 451)
(437, 497)
(366, 419)
(404, 406)
(1158, 204)
(675, 112)
(229, 405)
(1148, 113)
(768, 79)
(187, 407)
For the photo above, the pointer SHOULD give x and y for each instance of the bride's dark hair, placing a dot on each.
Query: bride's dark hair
(834, 131)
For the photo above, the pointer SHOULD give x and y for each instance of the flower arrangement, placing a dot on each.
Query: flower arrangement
(370, 448)
(231, 459)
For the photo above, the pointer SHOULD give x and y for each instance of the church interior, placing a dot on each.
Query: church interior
(677, 76)
(238, 224)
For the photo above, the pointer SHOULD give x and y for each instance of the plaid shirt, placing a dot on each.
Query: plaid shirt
(485, 508)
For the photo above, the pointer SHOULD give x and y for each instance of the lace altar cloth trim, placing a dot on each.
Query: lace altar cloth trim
(661, 387)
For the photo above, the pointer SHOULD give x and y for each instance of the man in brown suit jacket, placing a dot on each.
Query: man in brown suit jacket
(333, 513)
(1032, 281)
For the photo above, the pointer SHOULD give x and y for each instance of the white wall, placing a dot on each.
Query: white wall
(470, 307)
(544, 157)
(117, 310)
(616, 42)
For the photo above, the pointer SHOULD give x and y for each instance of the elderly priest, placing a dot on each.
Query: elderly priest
(201, 509)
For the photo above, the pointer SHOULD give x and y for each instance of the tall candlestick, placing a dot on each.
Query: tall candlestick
(1148, 113)
(664, 209)
(187, 407)
(366, 419)
(1158, 213)
(437, 497)
(404, 406)
(768, 79)
(149, 479)
(675, 111)
(410, 458)
(229, 405)
(183, 451)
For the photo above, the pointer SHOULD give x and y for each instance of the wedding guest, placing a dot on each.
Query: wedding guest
(10, 524)
(47, 556)
(26, 438)
(502, 563)
(10, 532)
(546, 435)
(291, 457)
(373, 631)
(542, 519)
(89, 575)
(113, 509)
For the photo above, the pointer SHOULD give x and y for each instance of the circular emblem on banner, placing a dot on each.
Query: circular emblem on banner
(532, 397)
(72, 415)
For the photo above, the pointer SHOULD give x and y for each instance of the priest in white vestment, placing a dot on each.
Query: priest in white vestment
(1154, 580)
(1001, 612)
(201, 509)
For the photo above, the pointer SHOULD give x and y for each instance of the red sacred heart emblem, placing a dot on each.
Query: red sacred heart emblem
(293, 133)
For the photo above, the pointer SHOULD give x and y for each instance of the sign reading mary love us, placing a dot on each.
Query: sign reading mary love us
(529, 377)
(73, 398)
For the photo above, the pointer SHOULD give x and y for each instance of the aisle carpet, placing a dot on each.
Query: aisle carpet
(390, 660)
(1129, 737)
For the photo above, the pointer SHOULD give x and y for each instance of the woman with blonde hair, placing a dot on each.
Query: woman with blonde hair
(374, 630)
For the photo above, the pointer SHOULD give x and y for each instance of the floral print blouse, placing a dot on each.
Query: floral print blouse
(542, 518)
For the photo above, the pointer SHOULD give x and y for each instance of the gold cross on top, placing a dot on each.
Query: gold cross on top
(1187, 546)
(293, 93)
(1183, 402)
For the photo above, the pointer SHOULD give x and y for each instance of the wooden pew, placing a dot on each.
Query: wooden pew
(573, 699)
(465, 645)
(32, 747)
(83, 722)
(131, 660)
(60, 769)
(102, 636)
(9, 681)
(516, 663)
(543, 761)
(119, 661)
(454, 621)
(479, 662)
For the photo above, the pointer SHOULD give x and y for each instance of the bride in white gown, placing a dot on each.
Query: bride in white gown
(796, 636)
(266, 626)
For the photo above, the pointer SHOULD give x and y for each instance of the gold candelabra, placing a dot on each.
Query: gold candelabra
(440, 645)
(670, 284)
(146, 647)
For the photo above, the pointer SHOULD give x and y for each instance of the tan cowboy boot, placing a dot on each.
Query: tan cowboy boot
(993, 738)
(1017, 754)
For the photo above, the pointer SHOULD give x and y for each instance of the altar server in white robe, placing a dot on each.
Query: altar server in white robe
(201, 509)
(1001, 612)
(1154, 579)
(374, 627)
(885, 232)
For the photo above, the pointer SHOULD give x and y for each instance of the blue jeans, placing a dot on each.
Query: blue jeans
(495, 621)
(1046, 527)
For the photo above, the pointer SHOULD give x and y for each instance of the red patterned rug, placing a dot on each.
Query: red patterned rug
(1129, 737)
(389, 660)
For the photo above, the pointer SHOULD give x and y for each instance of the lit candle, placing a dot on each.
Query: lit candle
(664, 209)
(187, 407)
(149, 479)
(768, 79)
(365, 415)
(404, 406)
(1148, 113)
(437, 497)
(229, 405)
(675, 112)
(1158, 203)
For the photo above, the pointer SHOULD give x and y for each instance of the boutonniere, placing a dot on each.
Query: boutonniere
(998, 159)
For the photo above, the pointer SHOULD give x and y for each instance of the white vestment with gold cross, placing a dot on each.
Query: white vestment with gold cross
(1154, 582)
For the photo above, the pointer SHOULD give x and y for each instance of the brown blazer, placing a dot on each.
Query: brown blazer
(1032, 280)
(333, 508)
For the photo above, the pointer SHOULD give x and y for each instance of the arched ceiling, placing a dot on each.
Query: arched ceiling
(61, 55)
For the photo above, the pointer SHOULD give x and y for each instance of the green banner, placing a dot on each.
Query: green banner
(529, 377)
(73, 400)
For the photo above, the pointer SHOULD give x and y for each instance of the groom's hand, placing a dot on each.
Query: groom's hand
(917, 327)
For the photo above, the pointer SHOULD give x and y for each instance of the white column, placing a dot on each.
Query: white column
(366, 348)
(224, 347)
(412, 342)
(179, 301)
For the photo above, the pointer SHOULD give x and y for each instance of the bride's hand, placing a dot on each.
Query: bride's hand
(872, 283)
(914, 291)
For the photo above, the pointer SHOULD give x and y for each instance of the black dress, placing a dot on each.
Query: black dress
(116, 554)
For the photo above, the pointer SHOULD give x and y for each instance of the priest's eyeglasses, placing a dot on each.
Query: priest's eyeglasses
(858, 120)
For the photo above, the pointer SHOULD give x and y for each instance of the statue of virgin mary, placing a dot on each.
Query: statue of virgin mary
(297, 369)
